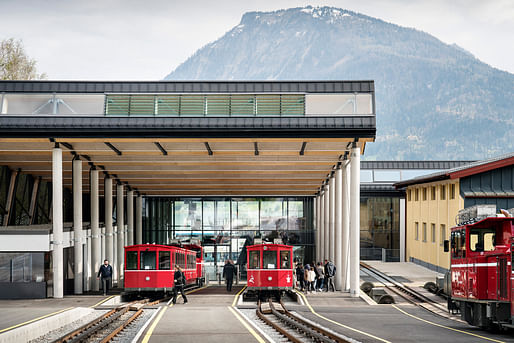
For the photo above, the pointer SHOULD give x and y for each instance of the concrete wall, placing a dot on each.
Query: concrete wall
(431, 212)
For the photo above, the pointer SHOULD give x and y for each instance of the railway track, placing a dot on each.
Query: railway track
(292, 327)
(109, 325)
(410, 295)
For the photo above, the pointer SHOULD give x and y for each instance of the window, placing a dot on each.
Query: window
(443, 192)
(285, 260)
(424, 193)
(131, 260)
(432, 192)
(255, 259)
(424, 232)
(416, 231)
(269, 259)
(409, 198)
(432, 232)
(148, 260)
(164, 260)
(452, 191)
(458, 244)
(482, 239)
(416, 194)
(443, 234)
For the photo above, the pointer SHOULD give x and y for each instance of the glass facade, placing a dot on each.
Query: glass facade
(380, 227)
(225, 225)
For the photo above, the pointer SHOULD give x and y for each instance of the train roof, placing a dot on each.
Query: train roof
(485, 222)
(268, 245)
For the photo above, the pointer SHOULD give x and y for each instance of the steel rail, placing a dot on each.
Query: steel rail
(121, 327)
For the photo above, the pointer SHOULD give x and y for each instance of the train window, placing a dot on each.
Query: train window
(482, 240)
(255, 259)
(164, 260)
(285, 260)
(458, 241)
(148, 259)
(269, 259)
(131, 260)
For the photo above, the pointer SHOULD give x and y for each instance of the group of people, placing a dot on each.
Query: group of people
(315, 277)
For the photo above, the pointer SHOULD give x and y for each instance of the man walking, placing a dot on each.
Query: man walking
(106, 273)
(229, 270)
(330, 272)
(179, 281)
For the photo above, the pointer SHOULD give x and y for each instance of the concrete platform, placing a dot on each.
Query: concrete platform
(408, 273)
(206, 318)
(15, 313)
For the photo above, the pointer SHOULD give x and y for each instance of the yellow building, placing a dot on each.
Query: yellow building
(434, 200)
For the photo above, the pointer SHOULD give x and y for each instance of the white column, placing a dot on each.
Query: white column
(318, 228)
(345, 274)
(332, 236)
(322, 224)
(57, 223)
(77, 226)
(130, 218)
(88, 272)
(326, 249)
(120, 223)
(102, 244)
(139, 220)
(338, 259)
(109, 246)
(96, 249)
(355, 221)
(402, 230)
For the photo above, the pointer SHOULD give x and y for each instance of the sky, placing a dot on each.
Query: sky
(146, 40)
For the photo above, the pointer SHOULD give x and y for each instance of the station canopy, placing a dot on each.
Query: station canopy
(188, 138)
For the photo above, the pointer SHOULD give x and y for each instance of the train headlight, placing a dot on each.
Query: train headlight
(147, 278)
(270, 278)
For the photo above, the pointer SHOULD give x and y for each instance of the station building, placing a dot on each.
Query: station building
(433, 202)
(219, 162)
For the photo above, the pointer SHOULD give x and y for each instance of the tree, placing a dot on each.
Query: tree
(15, 64)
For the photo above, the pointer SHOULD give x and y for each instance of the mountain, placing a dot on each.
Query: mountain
(433, 100)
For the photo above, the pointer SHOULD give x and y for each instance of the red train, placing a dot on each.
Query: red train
(149, 268)
(481, 275)
(269, 269)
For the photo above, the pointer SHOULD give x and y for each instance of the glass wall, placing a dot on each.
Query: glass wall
(380, 227)
(225, 225)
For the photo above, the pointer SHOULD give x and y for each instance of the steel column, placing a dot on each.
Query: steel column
(120, 224)
(355, 220)
(139, 220)
(96, 253)
(332, 237)
(77, 226)
(130, 218)
(338, 258)
(57, 224)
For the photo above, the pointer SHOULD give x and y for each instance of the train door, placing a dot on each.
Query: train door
(503, 293)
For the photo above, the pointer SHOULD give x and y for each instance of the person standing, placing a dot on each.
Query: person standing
(179, 281)
(229, 270)
(300, 277)
(321, 277)
(106, 273)
(330, 272)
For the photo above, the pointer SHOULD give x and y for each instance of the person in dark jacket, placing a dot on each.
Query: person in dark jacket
(179, 281)
(330, 272)
(229, 270)
(106, 273)
(300, 275)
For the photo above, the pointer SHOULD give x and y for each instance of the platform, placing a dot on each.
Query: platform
(408, 273)
(23, 311)
(205, 318)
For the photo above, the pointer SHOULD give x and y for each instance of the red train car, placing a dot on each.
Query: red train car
(149, 268)
(269, 268)
(481, 272)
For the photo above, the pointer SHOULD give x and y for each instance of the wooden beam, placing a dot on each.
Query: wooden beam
(10, 195)
(33, 199)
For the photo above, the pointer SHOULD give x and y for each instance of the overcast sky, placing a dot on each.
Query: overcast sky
(145, 40)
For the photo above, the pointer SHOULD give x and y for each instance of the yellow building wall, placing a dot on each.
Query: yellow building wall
(431, 212)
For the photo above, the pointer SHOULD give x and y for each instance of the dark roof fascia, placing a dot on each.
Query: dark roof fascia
(404, 165)
(187, 127)
(365, 86)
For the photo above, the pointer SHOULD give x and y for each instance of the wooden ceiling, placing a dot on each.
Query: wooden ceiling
(188, 167)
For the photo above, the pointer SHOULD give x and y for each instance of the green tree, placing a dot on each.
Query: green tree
(15, 64)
